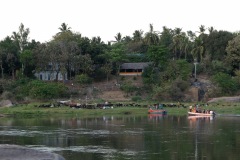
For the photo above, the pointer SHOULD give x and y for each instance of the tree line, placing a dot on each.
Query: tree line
(172, 52)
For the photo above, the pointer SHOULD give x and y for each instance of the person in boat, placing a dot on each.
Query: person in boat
(160, 106)
(149, 107)
(194, 109)
(203, 111)
(190, 108)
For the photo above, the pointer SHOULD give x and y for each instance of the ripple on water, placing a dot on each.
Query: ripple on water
(85, 149)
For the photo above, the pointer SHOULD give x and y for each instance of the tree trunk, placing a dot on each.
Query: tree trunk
(57, 76)
(2, 71)
(13, 75)
(22, 69)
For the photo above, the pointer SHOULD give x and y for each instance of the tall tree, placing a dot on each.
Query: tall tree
(11, 60)
(233, 52)
(64, 28)
(21, 38)
(118, 37)
(7, 47)
(26, 57)
(137, 35)
(1, 60)
(107, 69)
(198, 50)
(202, 29)
(151, 37)
(158, 55)
(211, 30)
(181, 44)
(216, 43)
(166, 37)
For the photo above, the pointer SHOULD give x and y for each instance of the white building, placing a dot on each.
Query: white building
(50, 75)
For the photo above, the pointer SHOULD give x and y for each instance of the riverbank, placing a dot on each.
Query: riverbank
(31, 110)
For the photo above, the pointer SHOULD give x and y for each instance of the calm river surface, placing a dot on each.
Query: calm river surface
(128, 137)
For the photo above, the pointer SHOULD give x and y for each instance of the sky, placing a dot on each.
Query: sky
(106, 18)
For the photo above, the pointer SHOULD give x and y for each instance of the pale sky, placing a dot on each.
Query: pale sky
(105, 18)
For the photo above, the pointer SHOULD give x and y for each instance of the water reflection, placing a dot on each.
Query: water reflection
(128, 137)
(199, 125)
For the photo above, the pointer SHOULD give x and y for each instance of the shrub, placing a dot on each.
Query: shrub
(99, 75)
(83, 79)
(227, 84)
(178, 69)
(128, 88)
(136, 98)
(171, 91)
(43, 90)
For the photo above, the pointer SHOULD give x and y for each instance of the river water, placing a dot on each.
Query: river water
(128, 137)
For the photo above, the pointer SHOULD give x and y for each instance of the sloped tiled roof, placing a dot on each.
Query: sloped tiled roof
(141, 65)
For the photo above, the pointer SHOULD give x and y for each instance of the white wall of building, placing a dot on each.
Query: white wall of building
(49, 76)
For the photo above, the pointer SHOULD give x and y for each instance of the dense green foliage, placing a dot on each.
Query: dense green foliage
(83, 79)
(37, 89)
(172, 54)
(227, 84)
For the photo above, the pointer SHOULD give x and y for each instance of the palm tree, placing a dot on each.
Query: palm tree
(137, 35)
(198, 50)
(118, 37)
(202, 29)
(64, 28)
(211, 30)
(191, 35)
(180, 43)
(151, 37)
(21, 39)
(127, 39)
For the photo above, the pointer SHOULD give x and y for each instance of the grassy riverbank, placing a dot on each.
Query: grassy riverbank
(32, 111)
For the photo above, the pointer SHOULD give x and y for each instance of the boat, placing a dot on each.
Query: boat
(201, 114)
(205, 118)
(157, 111)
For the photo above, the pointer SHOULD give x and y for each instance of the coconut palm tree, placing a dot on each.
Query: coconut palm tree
(180, 43)
(202, 29)
(137, 35)
(118, 37)
(198, 49)
(64, 28)
(151, 37)
(211, 30)
(21, 39)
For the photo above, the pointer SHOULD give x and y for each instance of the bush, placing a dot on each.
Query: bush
(178, 69)
(83, 79)
(99, 75)
(228, 85)
(128, 88)
(42, 90)
(38, 89)
(171, 91)
(177, 89)
(136, 98)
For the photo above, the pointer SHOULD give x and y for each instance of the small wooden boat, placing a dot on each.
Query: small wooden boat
(201, 114)
(157, 111)
(194, 118)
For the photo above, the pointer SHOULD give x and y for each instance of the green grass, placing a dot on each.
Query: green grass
(32, 111)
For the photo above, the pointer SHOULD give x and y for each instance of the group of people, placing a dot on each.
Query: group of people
(156, 106)
(197, 109)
